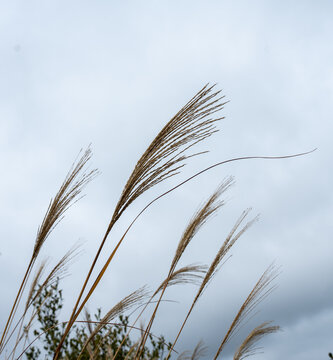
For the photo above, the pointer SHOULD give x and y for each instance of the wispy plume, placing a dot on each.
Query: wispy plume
(248, 347)
(214, 267)
(68, 194)
(164, 158)
(191, 274)
(199, 351)
(259, 292)
(166, 154)
(209, 208)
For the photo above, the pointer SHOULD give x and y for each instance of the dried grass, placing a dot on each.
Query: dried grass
(166, 154)
(207, 210)
(163, 159)
(214, 267)
(248, 347)
(259, 292)
(76, 179)
(191, 274)
(199, 219)
(199, 351)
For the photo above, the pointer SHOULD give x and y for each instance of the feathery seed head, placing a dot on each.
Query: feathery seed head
(67, 195)
(248, 347)
(167, 152)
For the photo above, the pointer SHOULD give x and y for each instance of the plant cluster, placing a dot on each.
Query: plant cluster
(103, 338)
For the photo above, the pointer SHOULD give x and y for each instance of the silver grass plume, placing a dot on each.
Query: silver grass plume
(259, 292)
(166, 154)
(68, 194)
(248, 347)
(214, 267)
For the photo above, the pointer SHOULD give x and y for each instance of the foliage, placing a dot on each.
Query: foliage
(105, 344)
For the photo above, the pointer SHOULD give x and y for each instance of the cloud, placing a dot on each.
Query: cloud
(113, 75)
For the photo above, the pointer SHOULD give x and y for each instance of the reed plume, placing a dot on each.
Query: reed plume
(208, 209)
(190, 274)
(69, 192)
(163, 159)
(76, 179)
(259, 292)
(214, 267)
(224, 249)
(199, 351)
(199, 219)
(167, 153)
(248, 347)
(59, 271)
(34, 283)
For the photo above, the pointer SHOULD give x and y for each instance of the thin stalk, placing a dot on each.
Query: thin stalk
(73, 317)
(181, 329)
(211, 206)
(75, 313)
(29, 324)
(144, 338)
(195, 269)
(14, 307)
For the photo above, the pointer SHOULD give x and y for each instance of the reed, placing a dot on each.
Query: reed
(164, 159)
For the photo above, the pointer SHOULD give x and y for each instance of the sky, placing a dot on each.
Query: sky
(111, 74)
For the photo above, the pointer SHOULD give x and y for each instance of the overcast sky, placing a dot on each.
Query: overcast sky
(112, 74)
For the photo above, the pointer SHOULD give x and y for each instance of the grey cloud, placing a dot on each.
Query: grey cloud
(113, 75)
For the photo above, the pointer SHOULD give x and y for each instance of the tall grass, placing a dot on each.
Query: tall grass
(164, 158)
